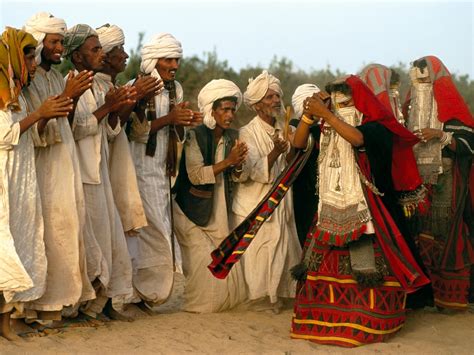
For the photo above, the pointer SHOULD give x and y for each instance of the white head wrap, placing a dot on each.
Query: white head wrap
(110, 36)
(301, 93)
(40, 25)
(163, 45)
(215, 90)
(258, 87)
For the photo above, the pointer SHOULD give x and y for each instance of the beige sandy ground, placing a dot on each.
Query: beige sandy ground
(175, 332)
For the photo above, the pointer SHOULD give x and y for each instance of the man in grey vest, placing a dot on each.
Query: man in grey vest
(212, 160)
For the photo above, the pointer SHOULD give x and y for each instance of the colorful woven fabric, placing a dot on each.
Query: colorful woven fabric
(234, 246)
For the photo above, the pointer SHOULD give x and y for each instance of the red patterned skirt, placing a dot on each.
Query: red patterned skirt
(332, 308)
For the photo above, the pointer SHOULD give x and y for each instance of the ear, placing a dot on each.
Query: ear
(76, 57)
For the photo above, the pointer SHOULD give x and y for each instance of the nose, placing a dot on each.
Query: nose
(60, 47)
(174, 64)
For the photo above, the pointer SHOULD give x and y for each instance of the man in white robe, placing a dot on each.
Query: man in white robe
(93, 126)
(275, 249)
(19, 193)
(58, 174)
(153, 136)
(204, 199)
(122, 172)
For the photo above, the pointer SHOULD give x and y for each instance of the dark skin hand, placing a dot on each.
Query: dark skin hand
(236, 158)
(427, 134)
(314, 106)
(54, 106)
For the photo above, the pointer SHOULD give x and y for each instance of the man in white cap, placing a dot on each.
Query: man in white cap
(157, 125)
(305, 199)
(275, 249)
(123, 176)
(58, 175)
(212, 159)
(94, 125)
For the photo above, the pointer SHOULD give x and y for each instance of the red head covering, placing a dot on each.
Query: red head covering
(377, 78)
(450, 103)
(405, 173)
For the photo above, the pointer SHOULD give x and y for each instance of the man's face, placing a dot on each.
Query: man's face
(270, 105)
(224, 114)
(31, 63)
(52, 48)
(117, 59)
(167, 68)
(91, 55)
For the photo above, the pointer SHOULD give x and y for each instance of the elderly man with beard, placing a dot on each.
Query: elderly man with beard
(157, 125)
(94, 125)
(275, 248)
(212, 159)
(123, 176)
(58, 175)
(22, 276)
(438, 115)
(356, 267)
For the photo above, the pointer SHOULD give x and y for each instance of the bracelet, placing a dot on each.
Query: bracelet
(238, 170)
(307, 120)
(446, 139)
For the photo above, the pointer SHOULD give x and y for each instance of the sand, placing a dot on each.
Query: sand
(171, 331)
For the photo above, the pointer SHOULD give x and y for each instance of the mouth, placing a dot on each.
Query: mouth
(57, 56)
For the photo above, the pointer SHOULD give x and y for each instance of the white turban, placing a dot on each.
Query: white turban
(258, 87)
(110, 36)
(40, 25)
(215, 90)
(301, 93)
(163, 45)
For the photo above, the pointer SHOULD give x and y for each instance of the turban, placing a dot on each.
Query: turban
(258, 87)
(301, 93)
(110, 36)
(13, 70)
(40, 25)
(75, 37)
(163, 45)
(215, 90)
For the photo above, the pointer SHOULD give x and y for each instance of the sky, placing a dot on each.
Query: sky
(313, 34)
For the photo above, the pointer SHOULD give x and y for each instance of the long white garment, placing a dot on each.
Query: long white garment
(123, 176)
(13, 276)
(92, 147)
(151, 249)
(275, 248)
(203, 292)
(62, 200)
(26, 221)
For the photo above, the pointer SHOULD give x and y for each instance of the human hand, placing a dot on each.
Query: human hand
(77, 84)
(238, 154)
(55, 106)
(148, 87)
(427, 134)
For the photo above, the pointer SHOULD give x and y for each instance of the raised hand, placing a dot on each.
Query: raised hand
(117, 98)
(238, 153)
(280, 145)
(77, 84)
(55, 106)
(148, 87)
(315, 108)
(180, 115)
(197, 118)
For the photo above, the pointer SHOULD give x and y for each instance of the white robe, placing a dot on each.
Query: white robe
(275, 248)
(13, 276)
(151, 249)
(203, 292)
(26, 221)
(92, 148)
(62, 201)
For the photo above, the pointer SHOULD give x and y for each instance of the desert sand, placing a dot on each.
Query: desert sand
(172, 331)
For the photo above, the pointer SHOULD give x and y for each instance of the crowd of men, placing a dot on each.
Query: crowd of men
(93, 227)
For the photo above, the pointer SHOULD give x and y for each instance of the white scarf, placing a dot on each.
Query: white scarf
(163, 45)
(258, 87)
(342, 206)
(423, 113)
(40, 25)
(110, 36)
(301, 93)
(215, 90)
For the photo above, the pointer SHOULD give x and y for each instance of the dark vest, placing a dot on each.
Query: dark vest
(196, 200)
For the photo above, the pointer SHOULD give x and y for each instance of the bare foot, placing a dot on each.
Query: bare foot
(5, 329)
